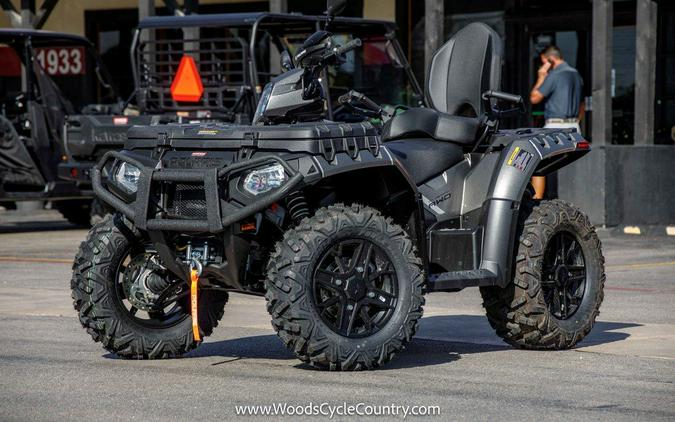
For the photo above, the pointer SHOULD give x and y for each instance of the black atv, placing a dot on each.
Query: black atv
(231, 54)
(341, 227)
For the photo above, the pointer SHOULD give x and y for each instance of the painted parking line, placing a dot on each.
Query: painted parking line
(641, 265)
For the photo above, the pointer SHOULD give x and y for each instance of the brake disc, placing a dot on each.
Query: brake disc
(144, 281)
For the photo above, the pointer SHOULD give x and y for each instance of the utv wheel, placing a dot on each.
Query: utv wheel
(84, 213)
(75, 211)
(558, 282)
(118, 314)
(344, 288)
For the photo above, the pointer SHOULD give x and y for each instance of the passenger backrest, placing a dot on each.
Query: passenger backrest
(463, 68)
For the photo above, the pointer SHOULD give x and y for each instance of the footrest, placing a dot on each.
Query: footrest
(457, 280)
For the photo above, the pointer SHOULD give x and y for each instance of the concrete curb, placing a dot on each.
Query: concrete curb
(644, 230)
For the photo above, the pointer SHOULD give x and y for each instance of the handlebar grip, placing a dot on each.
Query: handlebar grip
(513, 98)
(356, 42)
(369, 103)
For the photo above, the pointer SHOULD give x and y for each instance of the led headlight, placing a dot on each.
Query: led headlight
(127, 176)
(262, 104)
(264, 179)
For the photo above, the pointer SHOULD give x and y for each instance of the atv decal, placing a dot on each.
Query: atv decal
(441, 198)
(519, 159)
(432, 206)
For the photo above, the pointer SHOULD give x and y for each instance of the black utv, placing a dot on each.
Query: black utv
(234, 56)
(46, 78)
(341, 227)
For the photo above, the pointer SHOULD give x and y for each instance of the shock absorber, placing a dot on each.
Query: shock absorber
(297, 206)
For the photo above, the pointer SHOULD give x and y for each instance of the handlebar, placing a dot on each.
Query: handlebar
(512, 98)
(356, 42)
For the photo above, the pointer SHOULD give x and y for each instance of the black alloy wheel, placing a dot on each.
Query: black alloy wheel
(564, 275)
(355, 288)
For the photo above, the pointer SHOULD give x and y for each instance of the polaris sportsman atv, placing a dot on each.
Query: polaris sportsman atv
(341, 227)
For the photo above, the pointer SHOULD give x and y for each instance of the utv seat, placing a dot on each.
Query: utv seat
(424, 158)
(461, 71)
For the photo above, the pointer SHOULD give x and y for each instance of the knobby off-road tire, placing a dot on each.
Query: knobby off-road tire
(290, 281)
(96, 298)
(519, 313)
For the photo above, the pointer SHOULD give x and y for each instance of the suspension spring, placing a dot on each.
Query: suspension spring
(297, 206)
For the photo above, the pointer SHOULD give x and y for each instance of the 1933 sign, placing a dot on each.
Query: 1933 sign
(61, 60)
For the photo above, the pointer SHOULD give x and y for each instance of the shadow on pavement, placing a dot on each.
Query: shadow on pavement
(476, 329)
(467, 334)
(607, 332)
(420, 352)
(37, 226)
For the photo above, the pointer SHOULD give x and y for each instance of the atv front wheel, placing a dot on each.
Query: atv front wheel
(147, 320)
(344, 288)
(558, 283)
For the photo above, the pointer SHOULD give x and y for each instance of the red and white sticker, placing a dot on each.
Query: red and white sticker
(61, 61)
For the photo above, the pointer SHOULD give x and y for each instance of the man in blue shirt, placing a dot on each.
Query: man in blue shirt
(560, 86)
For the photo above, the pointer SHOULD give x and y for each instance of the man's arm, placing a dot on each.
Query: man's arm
(535, 95)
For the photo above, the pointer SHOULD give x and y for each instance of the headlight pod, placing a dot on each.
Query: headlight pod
(127, 176)
(262, 104)
(264, 179)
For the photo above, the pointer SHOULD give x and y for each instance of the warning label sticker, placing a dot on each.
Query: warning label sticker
(519, 159)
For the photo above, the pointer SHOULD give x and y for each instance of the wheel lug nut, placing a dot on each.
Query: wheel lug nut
(338, 282)
(350, 307)
(371, 294)
(359, 269)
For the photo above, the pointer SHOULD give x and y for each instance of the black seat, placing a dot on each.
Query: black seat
(461, 70)
(424, 158)
(422, 122)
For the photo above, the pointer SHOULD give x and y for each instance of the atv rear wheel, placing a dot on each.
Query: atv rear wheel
(123, 316)
(344, 288)
(558, 283)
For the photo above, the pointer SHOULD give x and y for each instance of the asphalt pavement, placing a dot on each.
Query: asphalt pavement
(50, 369)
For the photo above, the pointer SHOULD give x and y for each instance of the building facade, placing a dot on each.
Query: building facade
(623, 49)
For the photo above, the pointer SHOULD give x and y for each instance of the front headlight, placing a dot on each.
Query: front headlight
(127, 176)
(262, 104)
(264, 179)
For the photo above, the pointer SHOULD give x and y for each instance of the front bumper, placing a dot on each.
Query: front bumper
(220, 213)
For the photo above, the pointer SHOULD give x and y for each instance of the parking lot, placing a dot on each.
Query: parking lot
(50, 369)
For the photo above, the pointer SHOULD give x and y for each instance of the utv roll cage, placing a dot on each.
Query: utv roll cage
(36, 106)
(237, 56)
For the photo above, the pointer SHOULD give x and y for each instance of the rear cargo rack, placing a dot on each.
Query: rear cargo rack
(138, 209)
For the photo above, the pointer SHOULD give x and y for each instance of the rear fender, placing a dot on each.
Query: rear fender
(518, 162)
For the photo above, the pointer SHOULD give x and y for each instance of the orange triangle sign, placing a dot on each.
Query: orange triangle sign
(187, 84)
